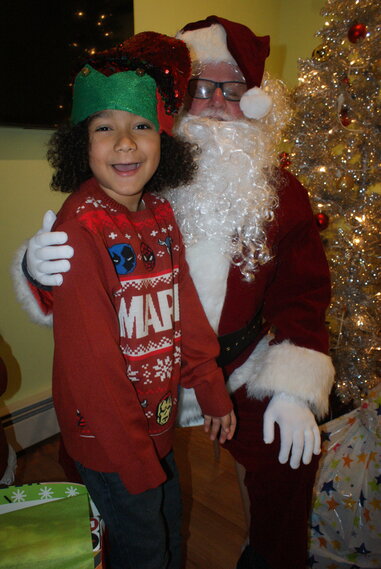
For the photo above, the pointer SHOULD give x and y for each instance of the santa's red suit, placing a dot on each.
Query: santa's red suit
(279, 317)
(258, 264)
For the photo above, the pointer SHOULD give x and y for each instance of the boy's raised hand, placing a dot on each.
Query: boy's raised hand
(46, 255)
(226, 425)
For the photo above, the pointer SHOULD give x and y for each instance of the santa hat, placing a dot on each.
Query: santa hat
(146, 75)
(215, 39)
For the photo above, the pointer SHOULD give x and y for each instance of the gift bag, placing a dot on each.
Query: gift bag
(346, 517)
(49, 526)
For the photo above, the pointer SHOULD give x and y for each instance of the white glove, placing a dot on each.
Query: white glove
(44, 260)
(299, 433)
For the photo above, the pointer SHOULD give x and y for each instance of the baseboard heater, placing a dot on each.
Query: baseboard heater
(30, 425)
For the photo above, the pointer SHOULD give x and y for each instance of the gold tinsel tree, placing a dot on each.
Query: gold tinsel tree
(334, 147)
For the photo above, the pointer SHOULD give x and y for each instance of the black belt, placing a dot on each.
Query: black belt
(232, 345)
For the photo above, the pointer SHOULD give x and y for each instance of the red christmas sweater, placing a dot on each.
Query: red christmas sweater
(128, 328)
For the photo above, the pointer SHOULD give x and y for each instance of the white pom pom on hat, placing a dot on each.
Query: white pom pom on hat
(216, 39)
(255, 103)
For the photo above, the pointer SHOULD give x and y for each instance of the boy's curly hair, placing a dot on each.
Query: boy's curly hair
(68, 154)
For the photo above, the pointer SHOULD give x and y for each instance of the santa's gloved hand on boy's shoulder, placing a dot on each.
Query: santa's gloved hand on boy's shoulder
(46, 256)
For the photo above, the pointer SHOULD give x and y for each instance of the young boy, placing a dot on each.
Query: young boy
(128, 324)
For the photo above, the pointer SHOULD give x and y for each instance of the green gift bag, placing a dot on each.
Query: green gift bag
(49, 526)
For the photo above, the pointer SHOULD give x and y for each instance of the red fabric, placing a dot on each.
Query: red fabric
(170, 60)
(248, 50)
(109, 381)
(293, 288)
(165, 120)
(280, 497)
(294, 291)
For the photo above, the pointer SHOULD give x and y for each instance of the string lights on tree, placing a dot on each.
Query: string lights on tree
(334, 147)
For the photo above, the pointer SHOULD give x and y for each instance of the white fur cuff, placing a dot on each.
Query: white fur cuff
(300, 372)
(24, 294)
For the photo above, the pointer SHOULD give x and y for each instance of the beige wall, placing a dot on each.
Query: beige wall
(291, 24)
(299, 22)
(166, 17)
(24, 178)
(24, 174)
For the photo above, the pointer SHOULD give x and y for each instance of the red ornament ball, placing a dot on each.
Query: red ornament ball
(357, 32)
(322, 220)
(344, 117)
(284, 159)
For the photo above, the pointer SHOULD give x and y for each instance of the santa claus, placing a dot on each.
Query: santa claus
(258, 264)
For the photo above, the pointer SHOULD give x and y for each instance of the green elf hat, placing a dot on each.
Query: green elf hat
(146, 75)
(124, 91)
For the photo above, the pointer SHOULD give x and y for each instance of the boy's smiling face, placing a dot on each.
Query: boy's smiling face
(124, 153)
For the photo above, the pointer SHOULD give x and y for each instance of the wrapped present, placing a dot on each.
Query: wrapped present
(49, 525)
(346, 517)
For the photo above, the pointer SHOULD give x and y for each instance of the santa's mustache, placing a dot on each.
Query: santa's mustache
(216, 114)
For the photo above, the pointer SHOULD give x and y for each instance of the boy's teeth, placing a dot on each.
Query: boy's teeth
(125, 167)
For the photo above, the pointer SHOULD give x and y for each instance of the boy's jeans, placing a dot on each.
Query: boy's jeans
(143, 529)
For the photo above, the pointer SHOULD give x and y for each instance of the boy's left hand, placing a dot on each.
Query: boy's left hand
(226, 424)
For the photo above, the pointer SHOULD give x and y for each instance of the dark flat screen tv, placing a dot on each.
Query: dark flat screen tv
(42, 43)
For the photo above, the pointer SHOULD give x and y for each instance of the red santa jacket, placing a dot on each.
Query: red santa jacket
(292, 292)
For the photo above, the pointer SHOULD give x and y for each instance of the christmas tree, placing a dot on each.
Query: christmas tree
(334, 148)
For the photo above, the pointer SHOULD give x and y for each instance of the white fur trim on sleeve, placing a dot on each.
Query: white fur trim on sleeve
(23, 293)
(255, 103)
(300, 372)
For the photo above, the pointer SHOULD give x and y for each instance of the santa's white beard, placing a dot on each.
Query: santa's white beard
(230, 201)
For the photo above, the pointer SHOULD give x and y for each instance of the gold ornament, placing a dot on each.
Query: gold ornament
(321, 53)
(346, 182)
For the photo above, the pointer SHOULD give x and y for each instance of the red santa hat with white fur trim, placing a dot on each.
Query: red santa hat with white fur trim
(217, 39)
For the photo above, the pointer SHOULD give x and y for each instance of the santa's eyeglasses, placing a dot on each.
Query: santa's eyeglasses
(204, 89)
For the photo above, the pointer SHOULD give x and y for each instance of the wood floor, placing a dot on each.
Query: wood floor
(214, 524)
